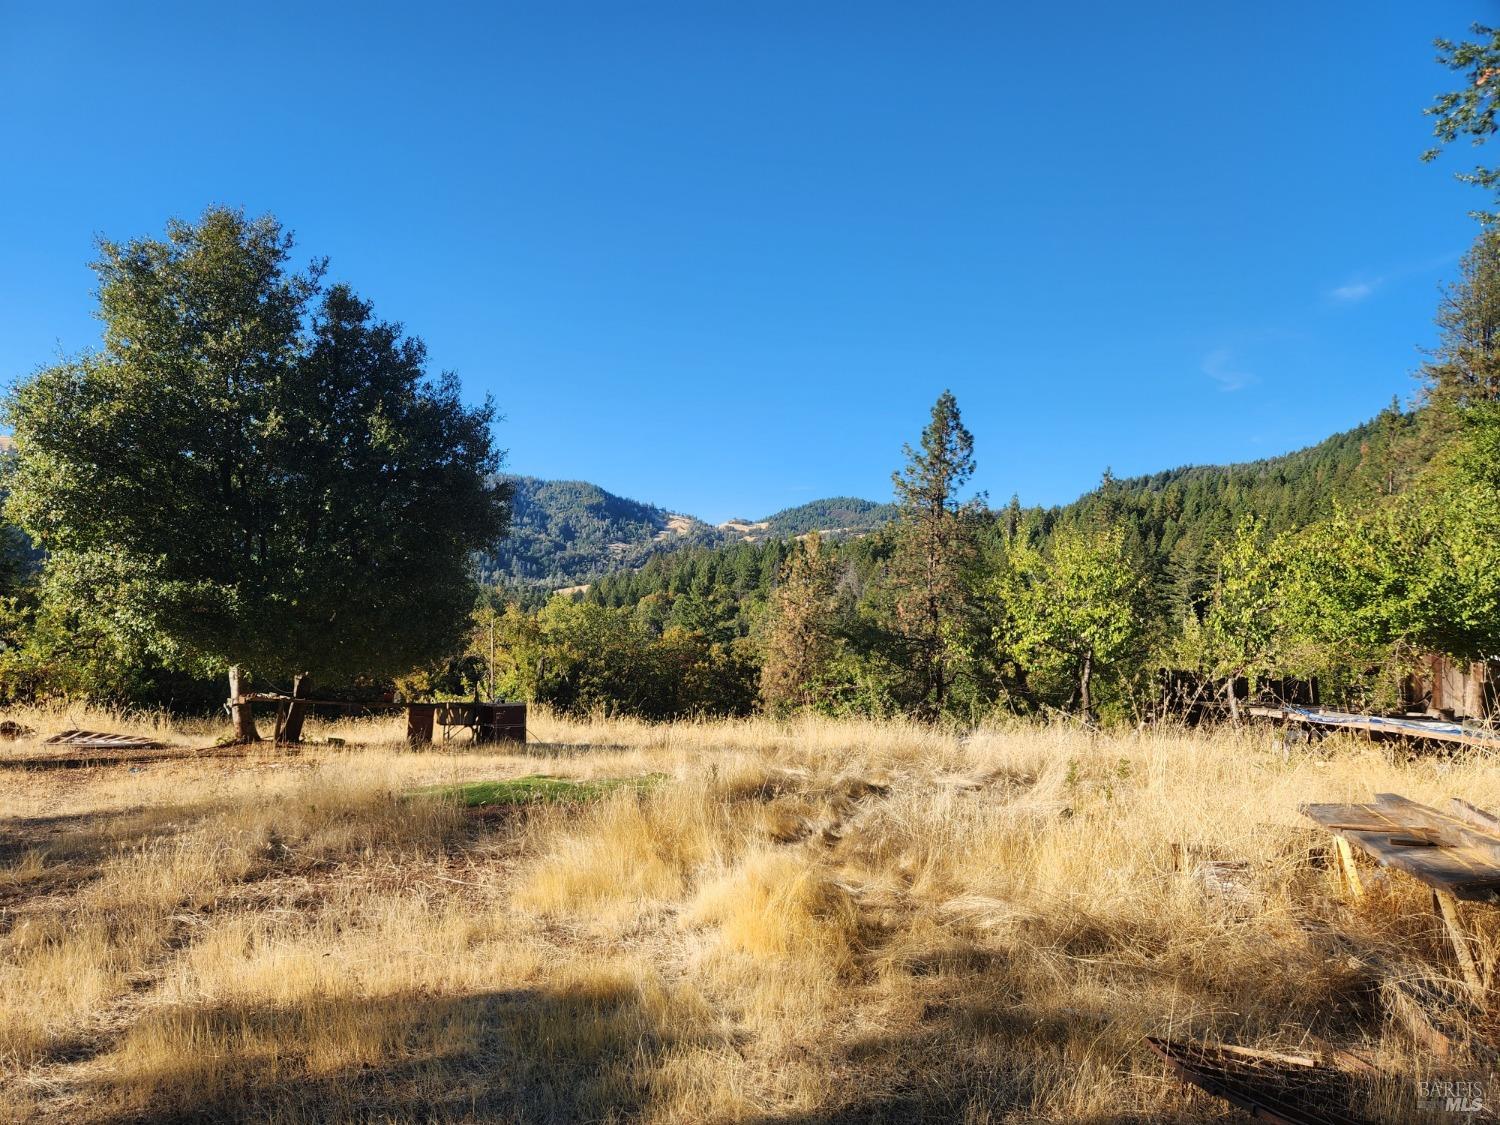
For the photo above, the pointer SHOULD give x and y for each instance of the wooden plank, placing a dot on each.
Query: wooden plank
(1346, 865)
(1479, 818)
(1453, 831)
(1462, 873)
(1287, 1089)
(419, 717)
(101, 740)
(1367, 818)
(1440, 850)
(1377, 726)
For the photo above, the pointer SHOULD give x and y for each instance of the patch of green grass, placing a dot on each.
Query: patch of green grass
(535, 789)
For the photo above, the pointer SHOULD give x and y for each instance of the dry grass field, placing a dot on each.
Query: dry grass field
(803, 922)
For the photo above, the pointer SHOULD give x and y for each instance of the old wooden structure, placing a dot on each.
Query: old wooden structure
(1455, 852)
(1320, 721)
(1439, 688)
(485, 721)
(1197, 698)
(1447, 689)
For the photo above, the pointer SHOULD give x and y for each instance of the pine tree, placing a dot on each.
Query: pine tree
(1465, 371)
(936, 551)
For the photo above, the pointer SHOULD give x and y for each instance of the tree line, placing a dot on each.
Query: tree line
(1351, 563)
(255, 473)
(322, 503)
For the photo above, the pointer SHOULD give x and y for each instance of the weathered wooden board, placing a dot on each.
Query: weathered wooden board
(1381, 726)
(1454, 831)
(102, 740)
(1440, 850)
(1288, 1089)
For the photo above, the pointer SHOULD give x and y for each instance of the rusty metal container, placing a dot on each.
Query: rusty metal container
(419, 720)
(500, 722)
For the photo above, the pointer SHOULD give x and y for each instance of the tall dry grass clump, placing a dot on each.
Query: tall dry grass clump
(783, 921)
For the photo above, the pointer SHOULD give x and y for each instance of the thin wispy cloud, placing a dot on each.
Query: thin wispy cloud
(1362, 286)
(1219, 366)
(1353, 292)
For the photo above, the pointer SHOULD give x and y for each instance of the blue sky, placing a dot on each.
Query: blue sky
(724, 256)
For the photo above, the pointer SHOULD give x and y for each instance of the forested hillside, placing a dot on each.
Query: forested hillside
(568, 532)
(1176, 517)
(837, 514)
(1179, 516)
(841, 622)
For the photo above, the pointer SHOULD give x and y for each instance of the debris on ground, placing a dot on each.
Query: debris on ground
(1291, 1089)
(102, 740)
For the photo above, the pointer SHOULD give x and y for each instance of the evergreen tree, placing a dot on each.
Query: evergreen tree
(932, 570)
(1470, 111)
(1464, 374)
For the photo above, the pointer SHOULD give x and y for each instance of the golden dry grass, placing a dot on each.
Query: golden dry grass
(806, 922)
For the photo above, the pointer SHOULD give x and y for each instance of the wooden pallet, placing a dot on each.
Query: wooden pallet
(102, 740)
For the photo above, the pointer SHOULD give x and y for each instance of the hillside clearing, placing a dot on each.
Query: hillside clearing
(804, 922)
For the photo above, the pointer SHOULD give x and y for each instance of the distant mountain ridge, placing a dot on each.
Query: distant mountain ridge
(570, 532)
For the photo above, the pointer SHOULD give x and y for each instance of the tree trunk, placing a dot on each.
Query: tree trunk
(240, 714)
(1083, 684)
(296, 710)
(1234, 702)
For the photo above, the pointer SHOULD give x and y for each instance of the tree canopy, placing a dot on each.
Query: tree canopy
(253, 468)
(1470, 110)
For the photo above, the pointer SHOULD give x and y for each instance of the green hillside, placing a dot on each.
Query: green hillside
(1179, 515)
(566, 532)
(837, 514)
(1176, 516)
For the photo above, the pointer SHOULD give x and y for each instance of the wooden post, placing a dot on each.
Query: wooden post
(1346, 866)
(296, 710)
(240, 714)
(1447, 909)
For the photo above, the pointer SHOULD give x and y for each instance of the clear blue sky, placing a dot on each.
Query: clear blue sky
(724, 256)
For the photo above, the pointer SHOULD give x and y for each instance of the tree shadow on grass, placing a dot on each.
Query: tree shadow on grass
(520, 1055)
(72, 847)
(973, 1060)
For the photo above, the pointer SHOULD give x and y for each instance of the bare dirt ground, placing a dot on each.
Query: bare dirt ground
(805, 922)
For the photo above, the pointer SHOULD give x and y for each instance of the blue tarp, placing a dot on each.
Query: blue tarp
(1416, 728)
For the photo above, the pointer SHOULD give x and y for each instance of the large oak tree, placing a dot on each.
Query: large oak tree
(253, 471)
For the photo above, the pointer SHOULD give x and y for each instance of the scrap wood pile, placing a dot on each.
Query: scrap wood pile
(1293, 1089)
(75, 747)
(1455, 853)
(102, 740)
